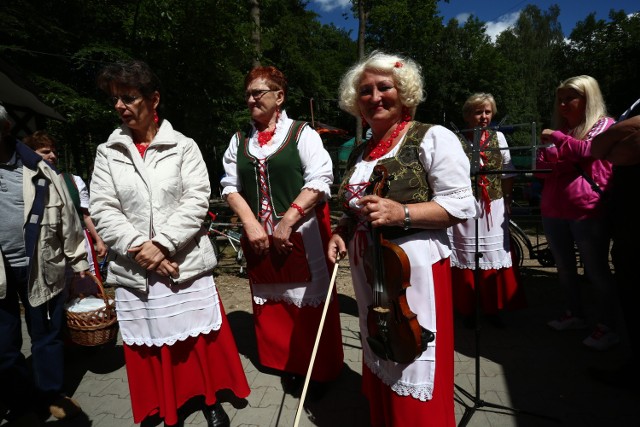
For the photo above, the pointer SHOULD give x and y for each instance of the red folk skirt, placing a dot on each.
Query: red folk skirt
(162, 379)
(387, 408)
(499, 290)
(286, 334)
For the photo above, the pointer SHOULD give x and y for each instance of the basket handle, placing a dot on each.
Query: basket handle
(97, 281)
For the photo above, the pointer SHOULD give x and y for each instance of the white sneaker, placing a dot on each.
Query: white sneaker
(567, 321)
(602, 338)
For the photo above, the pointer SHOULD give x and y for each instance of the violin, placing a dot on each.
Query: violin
(394, 331)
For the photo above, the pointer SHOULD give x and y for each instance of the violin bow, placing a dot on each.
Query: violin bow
(317, 343)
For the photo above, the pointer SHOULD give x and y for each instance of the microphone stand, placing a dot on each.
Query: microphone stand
(476, 170)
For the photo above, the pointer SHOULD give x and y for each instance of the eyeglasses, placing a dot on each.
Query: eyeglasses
(126, 99)
(257, 94)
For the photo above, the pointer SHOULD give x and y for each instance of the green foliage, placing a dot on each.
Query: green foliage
(528, 50)
(609, 52)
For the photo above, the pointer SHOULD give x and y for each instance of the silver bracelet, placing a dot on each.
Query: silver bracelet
(407, 218)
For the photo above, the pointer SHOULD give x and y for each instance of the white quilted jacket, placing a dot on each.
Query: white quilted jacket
(163, 196)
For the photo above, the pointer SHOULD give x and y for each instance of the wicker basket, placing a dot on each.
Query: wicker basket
(92, 328)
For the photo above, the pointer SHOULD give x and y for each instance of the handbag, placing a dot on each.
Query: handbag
(595, 187)
(273, 267)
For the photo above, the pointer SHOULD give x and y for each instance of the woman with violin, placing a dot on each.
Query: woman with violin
(402, 189)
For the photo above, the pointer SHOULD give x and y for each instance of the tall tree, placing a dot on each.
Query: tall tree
(529, 50)
(470, 63)
(412, 28)
(254, 5)
(609, 52)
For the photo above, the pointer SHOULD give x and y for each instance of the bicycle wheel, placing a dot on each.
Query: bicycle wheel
(517, 251)
(545, 257)
(518, 240)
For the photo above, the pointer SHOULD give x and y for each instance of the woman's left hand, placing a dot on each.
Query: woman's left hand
(168, 268)
(281, 237)
(149, 255)
(380, 211)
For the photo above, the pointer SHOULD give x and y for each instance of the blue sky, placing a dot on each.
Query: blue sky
(498, 14)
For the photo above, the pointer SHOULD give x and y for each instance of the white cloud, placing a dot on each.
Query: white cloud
(462, 17)
(494, 28)
(329, 5)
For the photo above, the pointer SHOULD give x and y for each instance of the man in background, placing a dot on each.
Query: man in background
(39, 234)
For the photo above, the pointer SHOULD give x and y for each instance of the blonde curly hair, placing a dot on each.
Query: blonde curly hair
(406, 73)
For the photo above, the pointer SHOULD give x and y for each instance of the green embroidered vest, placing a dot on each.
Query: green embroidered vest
(493, 163)
(284, 173)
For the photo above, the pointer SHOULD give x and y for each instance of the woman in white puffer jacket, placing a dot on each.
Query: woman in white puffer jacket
(149, 197)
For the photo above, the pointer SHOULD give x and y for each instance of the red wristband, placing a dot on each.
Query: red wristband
(298, 208)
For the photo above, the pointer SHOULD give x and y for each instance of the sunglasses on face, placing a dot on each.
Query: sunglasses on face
(126, 99)
(257, 94)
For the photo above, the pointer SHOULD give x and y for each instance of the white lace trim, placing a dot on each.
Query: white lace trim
(172, 340)
(312, 302)
(484, 266)
(319, 186)
(458, 194)
(422, 392)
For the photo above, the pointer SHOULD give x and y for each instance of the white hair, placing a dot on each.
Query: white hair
(406, 74)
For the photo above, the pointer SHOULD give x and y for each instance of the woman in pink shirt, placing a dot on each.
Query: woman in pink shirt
(573, 207)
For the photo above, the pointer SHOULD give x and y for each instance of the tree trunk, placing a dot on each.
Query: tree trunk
(255, 31)
(362, 19)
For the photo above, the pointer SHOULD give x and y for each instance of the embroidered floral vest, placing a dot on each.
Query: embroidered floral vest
(407, 181)
(492, 162)
(407, 176)
(284, 173)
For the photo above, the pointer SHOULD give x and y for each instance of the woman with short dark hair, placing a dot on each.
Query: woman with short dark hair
(149, 197)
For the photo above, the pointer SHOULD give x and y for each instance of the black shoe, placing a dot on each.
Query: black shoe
(151, 421)
(316, 391)
(292, 384)
(216, 416)
(180, 423)
(154, 421)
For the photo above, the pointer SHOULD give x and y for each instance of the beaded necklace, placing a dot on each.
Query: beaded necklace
(265, 136)
(382, 146)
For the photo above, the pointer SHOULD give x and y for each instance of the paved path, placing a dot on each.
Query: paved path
(525, 366)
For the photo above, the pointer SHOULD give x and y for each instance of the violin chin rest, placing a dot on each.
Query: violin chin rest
(426, 336)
